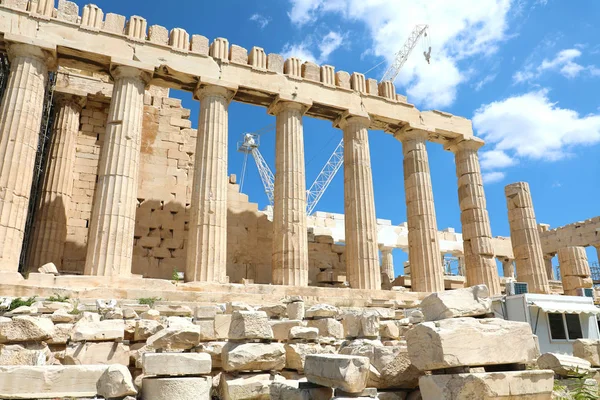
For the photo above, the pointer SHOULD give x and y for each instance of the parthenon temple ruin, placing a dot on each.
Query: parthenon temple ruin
(107, 192)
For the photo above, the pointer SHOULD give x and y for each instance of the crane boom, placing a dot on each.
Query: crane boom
(401, 56)
(314, 193)
(266, 175)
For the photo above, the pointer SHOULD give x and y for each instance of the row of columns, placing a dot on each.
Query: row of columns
(110, 242)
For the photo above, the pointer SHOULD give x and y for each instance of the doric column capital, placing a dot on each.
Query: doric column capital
(214, 87)
(131, 69)
(457, 145)
(19, 46)
(346, 118)
(411, 134)
(284, 102)
(385, 249)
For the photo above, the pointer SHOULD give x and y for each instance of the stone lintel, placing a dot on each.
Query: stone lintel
(68, 95)
(473, 143)
(409, 132)
(22, 46)
(285, 100)
(209, 85)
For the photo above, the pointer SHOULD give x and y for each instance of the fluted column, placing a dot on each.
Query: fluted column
(480, 264)
(50, 224)
(20, 120)
(207, 240)
(508, 268)
(575, 269)
(290, 243)
(387, 263)
(110, 240)
(427, 273)
(548, 265)
(525, 238)
(362, 255)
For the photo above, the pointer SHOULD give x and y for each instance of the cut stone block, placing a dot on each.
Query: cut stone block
(214, 350)
(98, 331)
(390, 365)
(222, 325)
(328, 327)
(61, 334)
(250, 325)
(322, 311)
(281, 329)
(468, 302)
(291, 390)
(589, 350)
(449, 343)
(90, 353)
(48, 268)
(145, 328)
(563, 365)
(530, 385)
(116, 381)
(182, 338)
(274, 311)
(295, 310)
(173, 364)
(253, 357)
(349, 373)
(26, 329)
(30, 354)
(247, 386)
(50, 381)
(174, 310)
(180, 388)
(275, 64)
(301, 332)
(199, 44)
(295, 354)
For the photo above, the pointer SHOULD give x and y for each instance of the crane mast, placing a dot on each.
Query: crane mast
(250, 142)
(394, 69)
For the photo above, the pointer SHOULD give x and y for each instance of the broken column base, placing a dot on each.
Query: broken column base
(180, 388)
(532, 385)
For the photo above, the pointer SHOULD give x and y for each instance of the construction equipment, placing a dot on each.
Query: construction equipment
(250, 141)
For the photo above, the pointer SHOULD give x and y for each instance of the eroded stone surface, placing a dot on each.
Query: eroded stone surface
(468, 302)
(253, 357)
(349, 373)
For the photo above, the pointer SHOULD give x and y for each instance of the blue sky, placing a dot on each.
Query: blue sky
(526, 72)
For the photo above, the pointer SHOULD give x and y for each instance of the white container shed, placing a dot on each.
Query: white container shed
(556, 320)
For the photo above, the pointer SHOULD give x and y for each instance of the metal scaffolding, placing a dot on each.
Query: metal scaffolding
(40, 166)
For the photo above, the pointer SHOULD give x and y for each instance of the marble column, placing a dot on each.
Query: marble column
(387, 263)
(110, 238)
(290, 242)
(480, 265)
(508, 268)
(461, 265)
(362, 254)
(427, 273)
(20, 121)
(207, 240)
(548, 266)
(525, 238)
(50, 223)
(575, 269)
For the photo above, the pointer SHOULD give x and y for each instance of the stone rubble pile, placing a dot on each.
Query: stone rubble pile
(122, 350)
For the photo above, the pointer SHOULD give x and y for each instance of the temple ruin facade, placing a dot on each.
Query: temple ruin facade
(132, 264)
(130, 189)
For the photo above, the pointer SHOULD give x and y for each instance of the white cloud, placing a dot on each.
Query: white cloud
(530, 126)
(493, 177)
(487, 79)
(460, 30)
(261, 20)
(563, 62)
(495, 159)
(304, 50)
